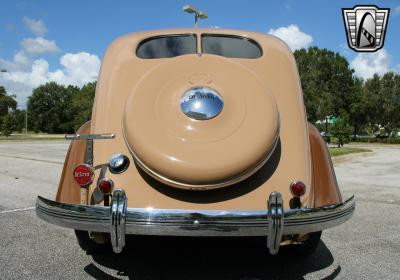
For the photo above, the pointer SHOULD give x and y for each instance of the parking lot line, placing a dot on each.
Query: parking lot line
(17, 210)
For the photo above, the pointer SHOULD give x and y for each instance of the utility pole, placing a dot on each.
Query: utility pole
(26, 119)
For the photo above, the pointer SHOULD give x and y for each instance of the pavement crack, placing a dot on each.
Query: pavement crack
(33, 159)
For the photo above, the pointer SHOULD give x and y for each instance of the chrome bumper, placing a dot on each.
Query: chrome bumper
(119, 220)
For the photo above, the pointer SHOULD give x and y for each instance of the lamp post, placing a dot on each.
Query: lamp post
(26, 120)
(326, 124)
(197, 14)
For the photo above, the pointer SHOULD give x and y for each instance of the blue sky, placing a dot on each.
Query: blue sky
(66, 40)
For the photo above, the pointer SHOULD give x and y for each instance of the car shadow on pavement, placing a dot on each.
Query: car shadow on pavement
(207, 258)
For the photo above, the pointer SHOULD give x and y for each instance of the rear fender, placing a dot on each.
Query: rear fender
(68, 190)
(324, 183)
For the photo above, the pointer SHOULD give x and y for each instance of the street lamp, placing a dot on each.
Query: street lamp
(326, 124)
(197, 14)
(26, 119)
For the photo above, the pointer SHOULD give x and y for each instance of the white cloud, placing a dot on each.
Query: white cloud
(21, 59)
(366, 65)
(78, 69)
(293, 36)
(37, 27)
(25, 73)
(39, 45)
(20, 62)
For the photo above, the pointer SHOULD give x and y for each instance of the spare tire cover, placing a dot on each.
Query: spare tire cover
(195, 154)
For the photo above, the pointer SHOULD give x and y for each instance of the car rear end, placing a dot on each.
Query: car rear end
(210, 129)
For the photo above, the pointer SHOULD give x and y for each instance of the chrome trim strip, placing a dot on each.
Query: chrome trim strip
(194, 222)
(90, 136)
(89, 142)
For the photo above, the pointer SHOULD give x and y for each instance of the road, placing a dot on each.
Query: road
(366, 247)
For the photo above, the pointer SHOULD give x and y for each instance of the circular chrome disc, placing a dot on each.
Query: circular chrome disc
(201, 103)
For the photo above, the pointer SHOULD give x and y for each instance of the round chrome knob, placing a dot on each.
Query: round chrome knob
(118, 163)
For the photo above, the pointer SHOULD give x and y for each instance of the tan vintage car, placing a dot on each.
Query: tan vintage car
(198, 132)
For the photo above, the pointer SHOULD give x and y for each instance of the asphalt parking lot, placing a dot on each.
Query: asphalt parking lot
(366, 247)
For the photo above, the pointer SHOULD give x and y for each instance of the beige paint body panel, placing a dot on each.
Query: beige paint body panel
(122, 73)
(196, 152)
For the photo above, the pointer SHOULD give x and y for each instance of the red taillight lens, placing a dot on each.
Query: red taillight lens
(106, 185)
(297, 188)
(83, 174)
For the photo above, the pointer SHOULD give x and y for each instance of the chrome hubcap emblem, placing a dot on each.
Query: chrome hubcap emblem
(201, 103)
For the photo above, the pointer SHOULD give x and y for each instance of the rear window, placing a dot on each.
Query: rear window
(167, 46)
(230, 46)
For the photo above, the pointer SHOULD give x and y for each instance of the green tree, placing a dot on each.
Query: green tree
(372, 89)
(327, 82)
(341, 129)
(49, 108)
(388, 102)
(359, 108)
(54, 108)
(382, 98)
(19, 117)
(8, 124)
(7, 102)
(82, 103)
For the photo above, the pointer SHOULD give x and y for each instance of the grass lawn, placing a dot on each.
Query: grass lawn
(334, 152)
(30, 137)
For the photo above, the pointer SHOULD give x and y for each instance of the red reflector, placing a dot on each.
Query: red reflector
(105, 185)
(83, 174)
(297, 188)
